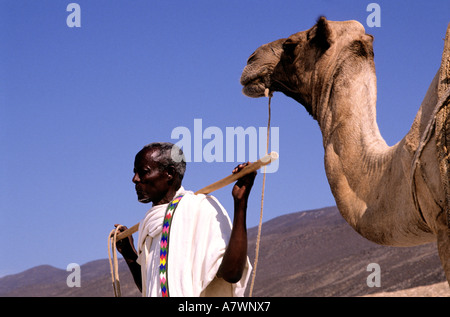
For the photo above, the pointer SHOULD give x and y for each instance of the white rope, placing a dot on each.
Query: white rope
(258, 238)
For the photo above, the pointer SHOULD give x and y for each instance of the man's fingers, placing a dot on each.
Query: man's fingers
(240, 167)
(122, 228)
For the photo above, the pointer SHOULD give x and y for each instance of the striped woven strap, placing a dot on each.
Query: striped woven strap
(164, 246)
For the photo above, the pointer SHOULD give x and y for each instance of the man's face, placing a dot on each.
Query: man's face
(150, 182)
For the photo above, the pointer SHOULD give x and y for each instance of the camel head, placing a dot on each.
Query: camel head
(296, 65)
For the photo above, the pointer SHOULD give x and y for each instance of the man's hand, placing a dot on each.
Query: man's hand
(243, 186)
(126, 246)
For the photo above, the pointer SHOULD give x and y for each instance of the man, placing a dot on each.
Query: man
(199, 253)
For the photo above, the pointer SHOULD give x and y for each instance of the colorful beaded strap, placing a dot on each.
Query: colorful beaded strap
(164, 250)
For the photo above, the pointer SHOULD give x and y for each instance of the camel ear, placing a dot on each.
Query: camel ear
(321, 35)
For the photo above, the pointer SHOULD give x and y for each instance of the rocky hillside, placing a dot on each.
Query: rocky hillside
(316, 253)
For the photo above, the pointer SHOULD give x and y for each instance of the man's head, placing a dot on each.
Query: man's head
(158, 172)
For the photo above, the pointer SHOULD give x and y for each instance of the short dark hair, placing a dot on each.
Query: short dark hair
(169, 154)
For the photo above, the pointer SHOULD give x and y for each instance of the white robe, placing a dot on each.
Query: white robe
(199, 234)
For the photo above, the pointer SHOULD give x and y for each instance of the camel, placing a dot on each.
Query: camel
(389, 194)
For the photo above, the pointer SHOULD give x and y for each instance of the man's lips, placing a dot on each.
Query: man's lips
(139, 191)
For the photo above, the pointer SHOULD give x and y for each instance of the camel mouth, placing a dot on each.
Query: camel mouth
(254, 89)
(255, 82)
(256, 76)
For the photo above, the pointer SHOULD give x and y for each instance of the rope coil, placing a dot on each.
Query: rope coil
(113, 262)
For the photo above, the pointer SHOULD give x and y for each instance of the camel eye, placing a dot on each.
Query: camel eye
(289, 46)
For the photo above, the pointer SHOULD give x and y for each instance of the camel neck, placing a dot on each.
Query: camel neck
(370, 181)
(356, 155)
(347, 107)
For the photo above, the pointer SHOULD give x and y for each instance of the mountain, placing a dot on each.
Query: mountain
(316, 253)
(312, 253)
(45, 280)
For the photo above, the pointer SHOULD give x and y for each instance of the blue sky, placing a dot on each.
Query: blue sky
(76, 104)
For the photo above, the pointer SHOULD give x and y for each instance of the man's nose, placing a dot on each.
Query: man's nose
(135, 178)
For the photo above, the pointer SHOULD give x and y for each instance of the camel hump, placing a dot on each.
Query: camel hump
(443, 122)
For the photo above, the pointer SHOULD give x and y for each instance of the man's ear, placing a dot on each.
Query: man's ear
(321, 35)
(170, 172)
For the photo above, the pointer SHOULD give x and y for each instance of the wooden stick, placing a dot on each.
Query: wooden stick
(268, 158)
(234, 177)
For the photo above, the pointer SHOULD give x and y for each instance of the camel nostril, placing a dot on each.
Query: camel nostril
(251, 58)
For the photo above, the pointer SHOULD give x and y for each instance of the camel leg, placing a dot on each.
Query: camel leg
(443, 244)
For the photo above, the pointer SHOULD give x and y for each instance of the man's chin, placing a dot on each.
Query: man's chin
(144, 200)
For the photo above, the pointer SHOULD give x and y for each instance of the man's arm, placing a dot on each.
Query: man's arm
(235, 257)
(126, 248)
